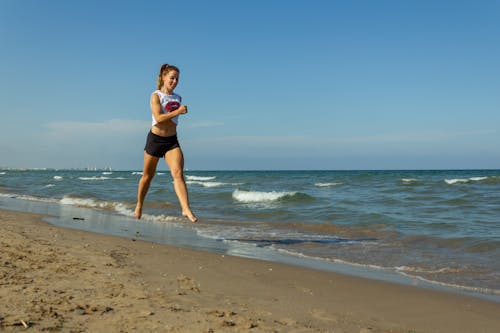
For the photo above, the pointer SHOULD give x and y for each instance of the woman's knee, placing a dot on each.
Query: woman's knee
(177, 174)
(147, 177)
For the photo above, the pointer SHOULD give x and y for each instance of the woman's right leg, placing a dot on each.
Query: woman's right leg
(148, 172)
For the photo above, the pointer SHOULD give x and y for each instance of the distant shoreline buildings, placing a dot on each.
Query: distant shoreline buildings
(88, 168)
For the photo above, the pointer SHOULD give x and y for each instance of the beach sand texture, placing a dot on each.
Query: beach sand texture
(56, 279)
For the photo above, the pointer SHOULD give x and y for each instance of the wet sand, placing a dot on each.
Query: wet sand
(57, 279)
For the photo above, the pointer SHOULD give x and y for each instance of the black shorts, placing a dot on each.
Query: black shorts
(159, 145)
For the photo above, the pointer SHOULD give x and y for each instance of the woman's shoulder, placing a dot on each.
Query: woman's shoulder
(156, 95)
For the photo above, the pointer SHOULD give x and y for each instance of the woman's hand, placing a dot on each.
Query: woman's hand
(182, 109)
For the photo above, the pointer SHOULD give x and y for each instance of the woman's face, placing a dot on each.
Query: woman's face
(170, 79)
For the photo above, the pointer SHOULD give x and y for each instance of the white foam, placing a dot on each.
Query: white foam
(83, 202)
(3, 173)
(333, 260)
(327, 184)
(249, 233)
(107, 173)
(93, 203)
(464, 180)
(456, 181)
(28, 197)
(93, 178)
(476, 179)
(256, 196)
(123, 209)
(118, 207)
(409, 180)
(137, 173)
(199, 178)
(452, 285)
(211, 184)
(160, 218)
(57, 178)
(426, 270)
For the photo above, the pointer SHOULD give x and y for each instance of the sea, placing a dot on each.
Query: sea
(429, 228)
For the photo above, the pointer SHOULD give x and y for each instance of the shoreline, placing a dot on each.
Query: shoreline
(58, 278)
(182, 235)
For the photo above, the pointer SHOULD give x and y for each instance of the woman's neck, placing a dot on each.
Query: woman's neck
(166, 91)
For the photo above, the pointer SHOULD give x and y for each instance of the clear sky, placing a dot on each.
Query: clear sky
(269, 84)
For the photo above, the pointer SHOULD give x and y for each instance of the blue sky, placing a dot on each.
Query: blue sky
(269, 84)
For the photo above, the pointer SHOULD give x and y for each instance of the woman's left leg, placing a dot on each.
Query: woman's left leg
(175, 161)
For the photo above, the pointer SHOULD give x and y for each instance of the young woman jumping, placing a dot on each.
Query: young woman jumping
(162, 140)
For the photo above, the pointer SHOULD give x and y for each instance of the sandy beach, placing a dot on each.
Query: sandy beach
(56, 279)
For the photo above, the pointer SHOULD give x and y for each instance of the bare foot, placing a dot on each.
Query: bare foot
(190, 216)
(138, 212)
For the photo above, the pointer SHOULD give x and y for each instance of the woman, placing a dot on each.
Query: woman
(162, 140)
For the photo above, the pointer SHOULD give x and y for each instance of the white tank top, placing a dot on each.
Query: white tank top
(168, 103)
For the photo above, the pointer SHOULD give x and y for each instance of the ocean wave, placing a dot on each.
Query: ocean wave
(118, 207)
(93, 178)
(211, 184)
(87, 202)
(161, 218)
(409, 180)
(455, 181)
(481, 290)
(199, 178)
(256, 196)
(305, 239)
(66, 200)
(28, 197)
(476, 179)
(332, 260)
(443, 270)
(57, 178)
(492, 179)
(137, 173)
(327, 184)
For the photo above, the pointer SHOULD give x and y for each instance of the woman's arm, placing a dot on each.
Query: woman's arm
(163, 117)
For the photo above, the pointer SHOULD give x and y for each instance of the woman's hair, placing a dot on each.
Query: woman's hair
(164, 69)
